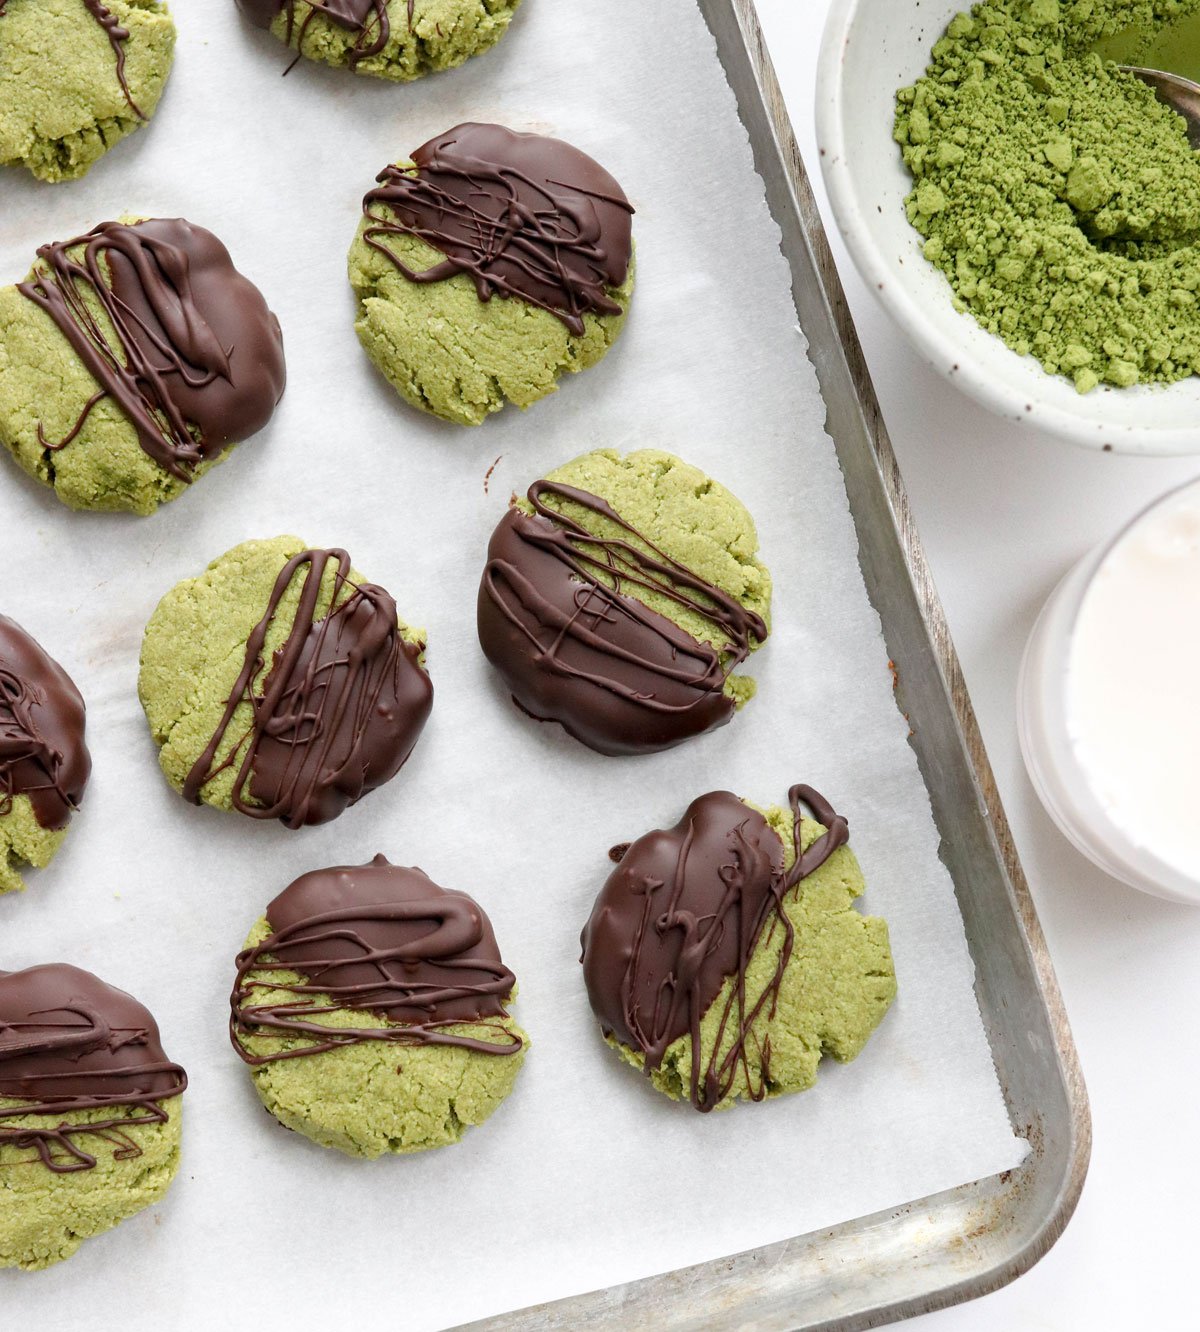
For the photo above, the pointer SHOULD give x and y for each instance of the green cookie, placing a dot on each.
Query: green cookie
(89, 1111)
(412, 40)
(487, 266)
(705, 919)
(397, 1054)
(44, 1217)
(132, 359)
(322, 707)
(621, 598)
(76, 77)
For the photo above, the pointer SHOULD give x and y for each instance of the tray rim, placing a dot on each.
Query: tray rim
(1027, 1209)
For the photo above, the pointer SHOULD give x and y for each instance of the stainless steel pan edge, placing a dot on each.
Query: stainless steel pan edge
(967, 1241)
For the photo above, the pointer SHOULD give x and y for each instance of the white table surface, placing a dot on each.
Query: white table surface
(1004, 512)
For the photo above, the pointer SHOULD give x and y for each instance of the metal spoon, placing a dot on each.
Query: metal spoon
(1181, 95)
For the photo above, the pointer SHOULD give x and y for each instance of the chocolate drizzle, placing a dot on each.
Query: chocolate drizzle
(42, 751)
(685, 911)
(70, 1044)
(574, 648)
(117, 37)
(340, 709)
(362, 17)
(373, 939)
(199, 358)
(523, 215)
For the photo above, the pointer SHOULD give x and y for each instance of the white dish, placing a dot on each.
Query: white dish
(870, 49)
(1131, 848)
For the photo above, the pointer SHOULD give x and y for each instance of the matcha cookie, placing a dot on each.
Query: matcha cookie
(44, 763)
(281, 684)
(370, 1007)
(487, 266)
(77, 76)
(620, 596)
(388, 39)
(89, 1112)
(131, 359)
(724, 956)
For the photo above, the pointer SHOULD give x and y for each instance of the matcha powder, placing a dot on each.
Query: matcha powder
(1058, 195)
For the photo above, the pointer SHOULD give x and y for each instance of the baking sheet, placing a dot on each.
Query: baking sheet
(585, 1177)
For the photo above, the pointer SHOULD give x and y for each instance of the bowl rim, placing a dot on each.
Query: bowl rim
(954, 360)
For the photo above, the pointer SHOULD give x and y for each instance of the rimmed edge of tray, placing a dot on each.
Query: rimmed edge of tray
(960, 1244)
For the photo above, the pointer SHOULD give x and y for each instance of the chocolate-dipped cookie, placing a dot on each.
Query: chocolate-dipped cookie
(724, 955)
(399, 40)
(131, 359)
(487, 266)
(281, 684)
(89, 1112)
(76, 77)
(620, 596)
(44, 762)
(370, 1005)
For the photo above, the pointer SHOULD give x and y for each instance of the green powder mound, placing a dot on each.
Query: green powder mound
(43, 383)
(447, 352)
(44, 1217)
(23, 841)
(194, 649)
(836, 988)
(686, 514)
(372, 1098)
(444, 33)
(61, 103)
(1058, 195)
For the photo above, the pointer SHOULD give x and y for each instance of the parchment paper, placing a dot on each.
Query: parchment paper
(585, 1177)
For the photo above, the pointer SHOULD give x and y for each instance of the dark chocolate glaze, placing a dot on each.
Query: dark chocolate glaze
(684, 911)
(42, 750)
(341, 708)
(69, 1043)
(199, 361)
(615, 674)
(368, 19)
(378, 939)
(523, 215)
(117, 37)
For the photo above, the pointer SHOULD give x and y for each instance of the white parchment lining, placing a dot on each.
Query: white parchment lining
(585, 1177)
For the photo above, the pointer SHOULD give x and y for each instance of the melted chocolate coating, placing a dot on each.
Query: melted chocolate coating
(523, 215)
(42, 750)
(70, 1043)
(380, 939)
(357, 16)
(199, 362)
(684, 911)
(340, 710)
(615, 674)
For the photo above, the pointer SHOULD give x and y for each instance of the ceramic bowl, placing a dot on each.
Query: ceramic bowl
(870, 49)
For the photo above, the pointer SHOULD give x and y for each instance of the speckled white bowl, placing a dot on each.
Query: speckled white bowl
(871, 48)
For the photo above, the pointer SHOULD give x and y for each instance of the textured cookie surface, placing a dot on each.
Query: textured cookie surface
(618, 599)
(71, 86)
(89, 1112)
(131, 359)
(44, 760)
(362, 1057)
(281, 684)
(488, 266)
(725, 967)
(388, 39)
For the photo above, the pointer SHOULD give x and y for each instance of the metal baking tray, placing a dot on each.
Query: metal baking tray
(962, 1243)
